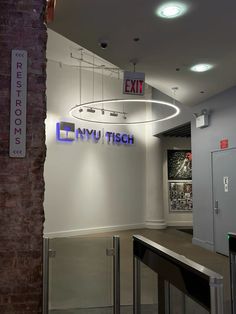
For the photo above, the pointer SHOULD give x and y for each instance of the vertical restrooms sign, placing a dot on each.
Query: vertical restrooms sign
(18, 104)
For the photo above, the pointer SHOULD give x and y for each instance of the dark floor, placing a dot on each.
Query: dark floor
(81, 272)
(186, 230)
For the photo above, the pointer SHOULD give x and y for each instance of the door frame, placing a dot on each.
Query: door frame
(212, 191)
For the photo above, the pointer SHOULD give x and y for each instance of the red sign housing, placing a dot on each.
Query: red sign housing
(224, 143)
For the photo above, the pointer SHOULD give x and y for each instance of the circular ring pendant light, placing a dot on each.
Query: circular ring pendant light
(96, 112)
(76, 111)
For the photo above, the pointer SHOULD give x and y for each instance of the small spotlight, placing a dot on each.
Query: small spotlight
(103, 111)
(91, 110)
(113, 114)
(124, 117)
(81, 110)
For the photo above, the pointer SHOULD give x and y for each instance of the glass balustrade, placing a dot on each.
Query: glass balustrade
(176, 285)
(81, 275)
(149, 293)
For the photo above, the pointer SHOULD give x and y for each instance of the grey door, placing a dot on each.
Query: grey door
(224, 197)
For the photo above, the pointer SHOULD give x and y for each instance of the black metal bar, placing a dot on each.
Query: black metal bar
(161, 295)
(232, 263)
(136, 287)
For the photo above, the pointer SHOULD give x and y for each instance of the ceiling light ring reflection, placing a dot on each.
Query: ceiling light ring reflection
(94, 103)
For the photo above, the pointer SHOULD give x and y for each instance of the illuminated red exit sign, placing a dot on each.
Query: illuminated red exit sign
(134, 83)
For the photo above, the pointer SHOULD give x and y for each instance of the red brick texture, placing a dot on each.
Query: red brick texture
(21, 180)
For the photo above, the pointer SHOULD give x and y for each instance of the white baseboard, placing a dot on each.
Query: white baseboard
(205, 244)
(150, 224)
(180, 223)
(78, 232)
(155, 224)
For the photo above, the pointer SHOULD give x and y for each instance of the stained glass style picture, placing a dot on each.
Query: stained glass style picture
(179, 165)
(180, 196)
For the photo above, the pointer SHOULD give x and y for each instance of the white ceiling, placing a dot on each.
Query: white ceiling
(207, 33)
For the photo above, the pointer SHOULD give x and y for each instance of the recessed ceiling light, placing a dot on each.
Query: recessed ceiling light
(201, 67)
(171, 10)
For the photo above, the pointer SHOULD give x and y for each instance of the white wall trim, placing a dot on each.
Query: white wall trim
(78, 232)
(155, 224)
(179, 223)
(205, 244)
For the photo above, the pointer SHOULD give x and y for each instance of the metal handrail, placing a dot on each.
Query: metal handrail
(198, 282)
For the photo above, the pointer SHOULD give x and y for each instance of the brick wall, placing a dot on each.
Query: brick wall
(21, 180)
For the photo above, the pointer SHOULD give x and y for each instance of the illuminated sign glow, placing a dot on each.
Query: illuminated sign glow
(134, 83)
(66, 132)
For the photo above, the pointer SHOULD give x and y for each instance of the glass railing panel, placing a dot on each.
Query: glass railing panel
(193, 307)
(149, 292)
(179, 303)
(126, 279)
(80, 275)
(176, 301)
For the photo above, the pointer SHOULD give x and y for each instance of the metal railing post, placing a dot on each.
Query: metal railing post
(232, 261)
(216, 289)
(161, 295)
(116, 274)
(232, 265)
(136, 287)
(45, 274)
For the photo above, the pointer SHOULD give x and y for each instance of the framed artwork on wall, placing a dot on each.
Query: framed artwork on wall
(180, 196)
(179, 164)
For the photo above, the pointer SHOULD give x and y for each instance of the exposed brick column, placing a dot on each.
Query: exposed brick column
(21, 180)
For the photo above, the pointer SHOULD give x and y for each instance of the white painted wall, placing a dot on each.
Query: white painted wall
(205, 141)
(89, 187)
(173, 219)
(97, 187)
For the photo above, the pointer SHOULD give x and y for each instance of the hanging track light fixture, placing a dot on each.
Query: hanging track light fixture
(74, 112)
(113, 113)
(95, 111)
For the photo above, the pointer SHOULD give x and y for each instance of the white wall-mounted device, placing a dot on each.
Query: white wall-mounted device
(202, 119)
